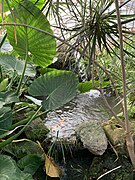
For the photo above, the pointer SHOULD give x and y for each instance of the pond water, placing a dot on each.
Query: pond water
(85, 107)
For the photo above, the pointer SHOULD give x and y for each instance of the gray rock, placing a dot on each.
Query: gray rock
(93, 137)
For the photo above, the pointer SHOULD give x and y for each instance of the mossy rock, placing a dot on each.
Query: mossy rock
(117, 135)
(114, 132)
(37, 130)
(92, 136)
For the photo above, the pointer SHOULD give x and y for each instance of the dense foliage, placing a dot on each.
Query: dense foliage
(41, 72)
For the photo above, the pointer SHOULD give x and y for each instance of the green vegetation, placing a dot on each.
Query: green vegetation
(33, 45)
(31, 85)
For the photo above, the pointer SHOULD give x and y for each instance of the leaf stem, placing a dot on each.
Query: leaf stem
(25, 65)
(24, 121)
(3, 40)
(9, 140)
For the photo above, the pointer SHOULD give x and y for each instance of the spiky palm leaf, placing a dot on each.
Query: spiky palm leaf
(93, 26)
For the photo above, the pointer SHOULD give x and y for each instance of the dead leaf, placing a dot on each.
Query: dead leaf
(51, 168)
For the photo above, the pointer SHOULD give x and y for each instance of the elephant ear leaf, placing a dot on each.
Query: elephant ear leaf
(41, 45)
(11, 63)
(56, 88)
(9, 170)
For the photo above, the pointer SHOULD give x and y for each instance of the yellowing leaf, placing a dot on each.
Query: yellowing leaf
(3, 85)
(52, 169)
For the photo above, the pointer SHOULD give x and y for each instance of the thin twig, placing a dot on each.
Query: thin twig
(112, 82)
(114, 151)
(105, 100)
(129, 138)
(108, 172)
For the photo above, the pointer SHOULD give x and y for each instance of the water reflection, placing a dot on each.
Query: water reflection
(85, 107)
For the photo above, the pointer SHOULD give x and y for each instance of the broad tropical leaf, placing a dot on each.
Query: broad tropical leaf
(9, 170)
(36, 101)
(5, 119)
(38, 3)
(7, 167)
(30, 163)
(7, 97)
(87, 86)
(41, 46)
(5, 112)
(23, 147)
(10, 62)
(3, 84)
(30, 155)
(56, 88)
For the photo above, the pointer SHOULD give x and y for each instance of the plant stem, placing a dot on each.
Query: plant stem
(11, 81)
(3, 40)
(1, 43)
(105, 100)
(112, 83)
(129, 138)
(26, 120)
(25, 65)
(9, 140)
(1, 74)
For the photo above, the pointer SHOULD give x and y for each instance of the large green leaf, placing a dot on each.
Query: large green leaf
(5, 119)
(7, 167)
(7, 97)
(41, 46)
(38, 3)
(24, 147)
(5, 7)
(30, 163)
(10, 62)
(9, 170)
(56, 88)
(88, 85)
